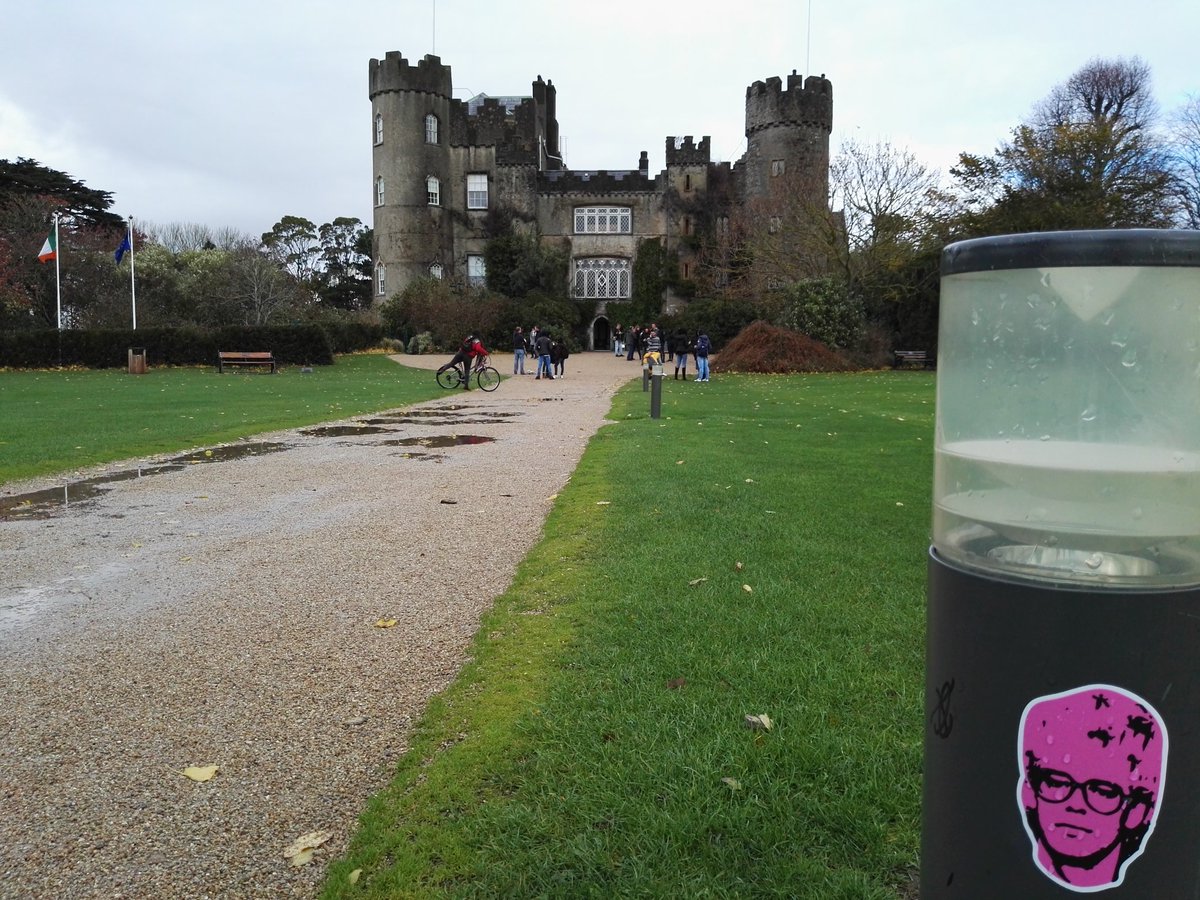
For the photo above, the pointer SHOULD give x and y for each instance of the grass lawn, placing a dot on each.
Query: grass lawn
(53, 421)
(759, 550)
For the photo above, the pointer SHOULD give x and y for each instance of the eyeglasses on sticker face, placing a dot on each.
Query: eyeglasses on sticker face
(1103, 797)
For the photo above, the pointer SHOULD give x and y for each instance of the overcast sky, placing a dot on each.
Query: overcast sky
(234, 113)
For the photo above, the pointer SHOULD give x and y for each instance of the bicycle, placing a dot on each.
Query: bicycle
(487, 377)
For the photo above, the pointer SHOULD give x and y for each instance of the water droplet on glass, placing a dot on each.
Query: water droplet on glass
(1107, 320)
(1094, 561)
(1129, 360)
(1066, 759)
(1051, 540)
(1119, 340)
(1046, 279)
(1049, 739)
(1137, 513)
(1089, 414)
(974, 317)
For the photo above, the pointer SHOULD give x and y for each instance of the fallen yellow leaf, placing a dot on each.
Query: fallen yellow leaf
(734, 784)
(603, 502)
(761, 722)
(200, 773)
(738, 566)
(747, 589)
(385, 623)
(696, 581)
(354, 876)
(300, 850)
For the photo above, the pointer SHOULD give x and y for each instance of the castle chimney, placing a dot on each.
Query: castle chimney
(644, 164)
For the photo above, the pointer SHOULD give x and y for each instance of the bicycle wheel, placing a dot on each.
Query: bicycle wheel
(451, 378)
(488, 378)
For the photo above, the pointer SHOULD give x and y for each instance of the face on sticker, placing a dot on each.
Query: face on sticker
(1093, 764)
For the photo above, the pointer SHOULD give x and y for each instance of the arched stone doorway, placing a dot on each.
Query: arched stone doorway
(600, 335)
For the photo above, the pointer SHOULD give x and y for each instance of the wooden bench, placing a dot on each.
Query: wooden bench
(912, 358)
(241, 358)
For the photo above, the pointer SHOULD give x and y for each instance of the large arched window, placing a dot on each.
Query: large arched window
(379, 191)
(435, 271)
(433, 188)
(602, 278)
(380, 279)
(431, 129)
(379, 128)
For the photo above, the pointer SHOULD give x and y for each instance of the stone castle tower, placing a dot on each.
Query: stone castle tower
(439, 165)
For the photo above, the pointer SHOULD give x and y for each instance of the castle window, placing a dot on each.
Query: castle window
(477, 192)
(777, 167)
(380, 279)
(433, 188)
(774, 224)
(603, 220)
(601, 278)
(476, 271)
(722, 224)
(431, 129)
(378, 128)
(687, 181)
(379, 191)
(687, 224)
(435, 271)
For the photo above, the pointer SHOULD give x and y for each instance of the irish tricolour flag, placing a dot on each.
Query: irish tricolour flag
(49, 249)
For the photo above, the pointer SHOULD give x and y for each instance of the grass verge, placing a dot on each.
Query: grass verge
(59, 420)
(759, 550)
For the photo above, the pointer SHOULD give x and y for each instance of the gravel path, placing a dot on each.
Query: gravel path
(225, 615)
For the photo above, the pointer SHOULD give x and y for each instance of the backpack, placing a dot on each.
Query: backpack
(467, 346)
(702, 345)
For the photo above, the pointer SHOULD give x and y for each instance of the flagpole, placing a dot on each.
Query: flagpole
(132, 282)
(57, 279)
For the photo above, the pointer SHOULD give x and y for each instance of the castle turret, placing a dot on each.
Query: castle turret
(410, 111)
(787, 134)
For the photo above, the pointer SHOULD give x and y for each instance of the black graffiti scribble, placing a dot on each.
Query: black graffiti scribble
(1142, 727)
(1103, 735)
(943, 719)
(1100, 700)
(1134, 762)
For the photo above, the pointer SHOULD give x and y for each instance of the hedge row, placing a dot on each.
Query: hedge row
(109, 348)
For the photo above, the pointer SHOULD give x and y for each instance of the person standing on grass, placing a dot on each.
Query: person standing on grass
(683, 346)
(543, 351)
(520, 345)
(703, 345)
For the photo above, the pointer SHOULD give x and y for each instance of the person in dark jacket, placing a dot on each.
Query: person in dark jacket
(558, 356)
(520, 345)
(543, 351)
(683, 346)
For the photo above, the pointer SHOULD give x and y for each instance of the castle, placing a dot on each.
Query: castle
(439, 165)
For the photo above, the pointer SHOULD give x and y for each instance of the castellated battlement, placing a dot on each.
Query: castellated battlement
(686, 152)
(805, 102)
(578, 181)
(395, 73)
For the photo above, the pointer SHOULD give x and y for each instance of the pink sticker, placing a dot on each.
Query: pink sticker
(1093, 765)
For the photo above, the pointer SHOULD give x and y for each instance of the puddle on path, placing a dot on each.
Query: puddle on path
(44, 503)
(343, 430)
(439, 441)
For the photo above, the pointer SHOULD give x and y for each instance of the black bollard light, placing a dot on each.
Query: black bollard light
(656, 376)
(1062, 733)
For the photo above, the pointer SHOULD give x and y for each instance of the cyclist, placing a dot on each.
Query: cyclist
(471, 348)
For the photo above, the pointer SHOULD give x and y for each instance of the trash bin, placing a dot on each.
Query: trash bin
(137, 360)
(1063, 615)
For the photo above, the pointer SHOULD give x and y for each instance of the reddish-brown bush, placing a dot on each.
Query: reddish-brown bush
(761, 347)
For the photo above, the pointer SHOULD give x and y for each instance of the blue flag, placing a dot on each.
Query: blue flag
(123, 249)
